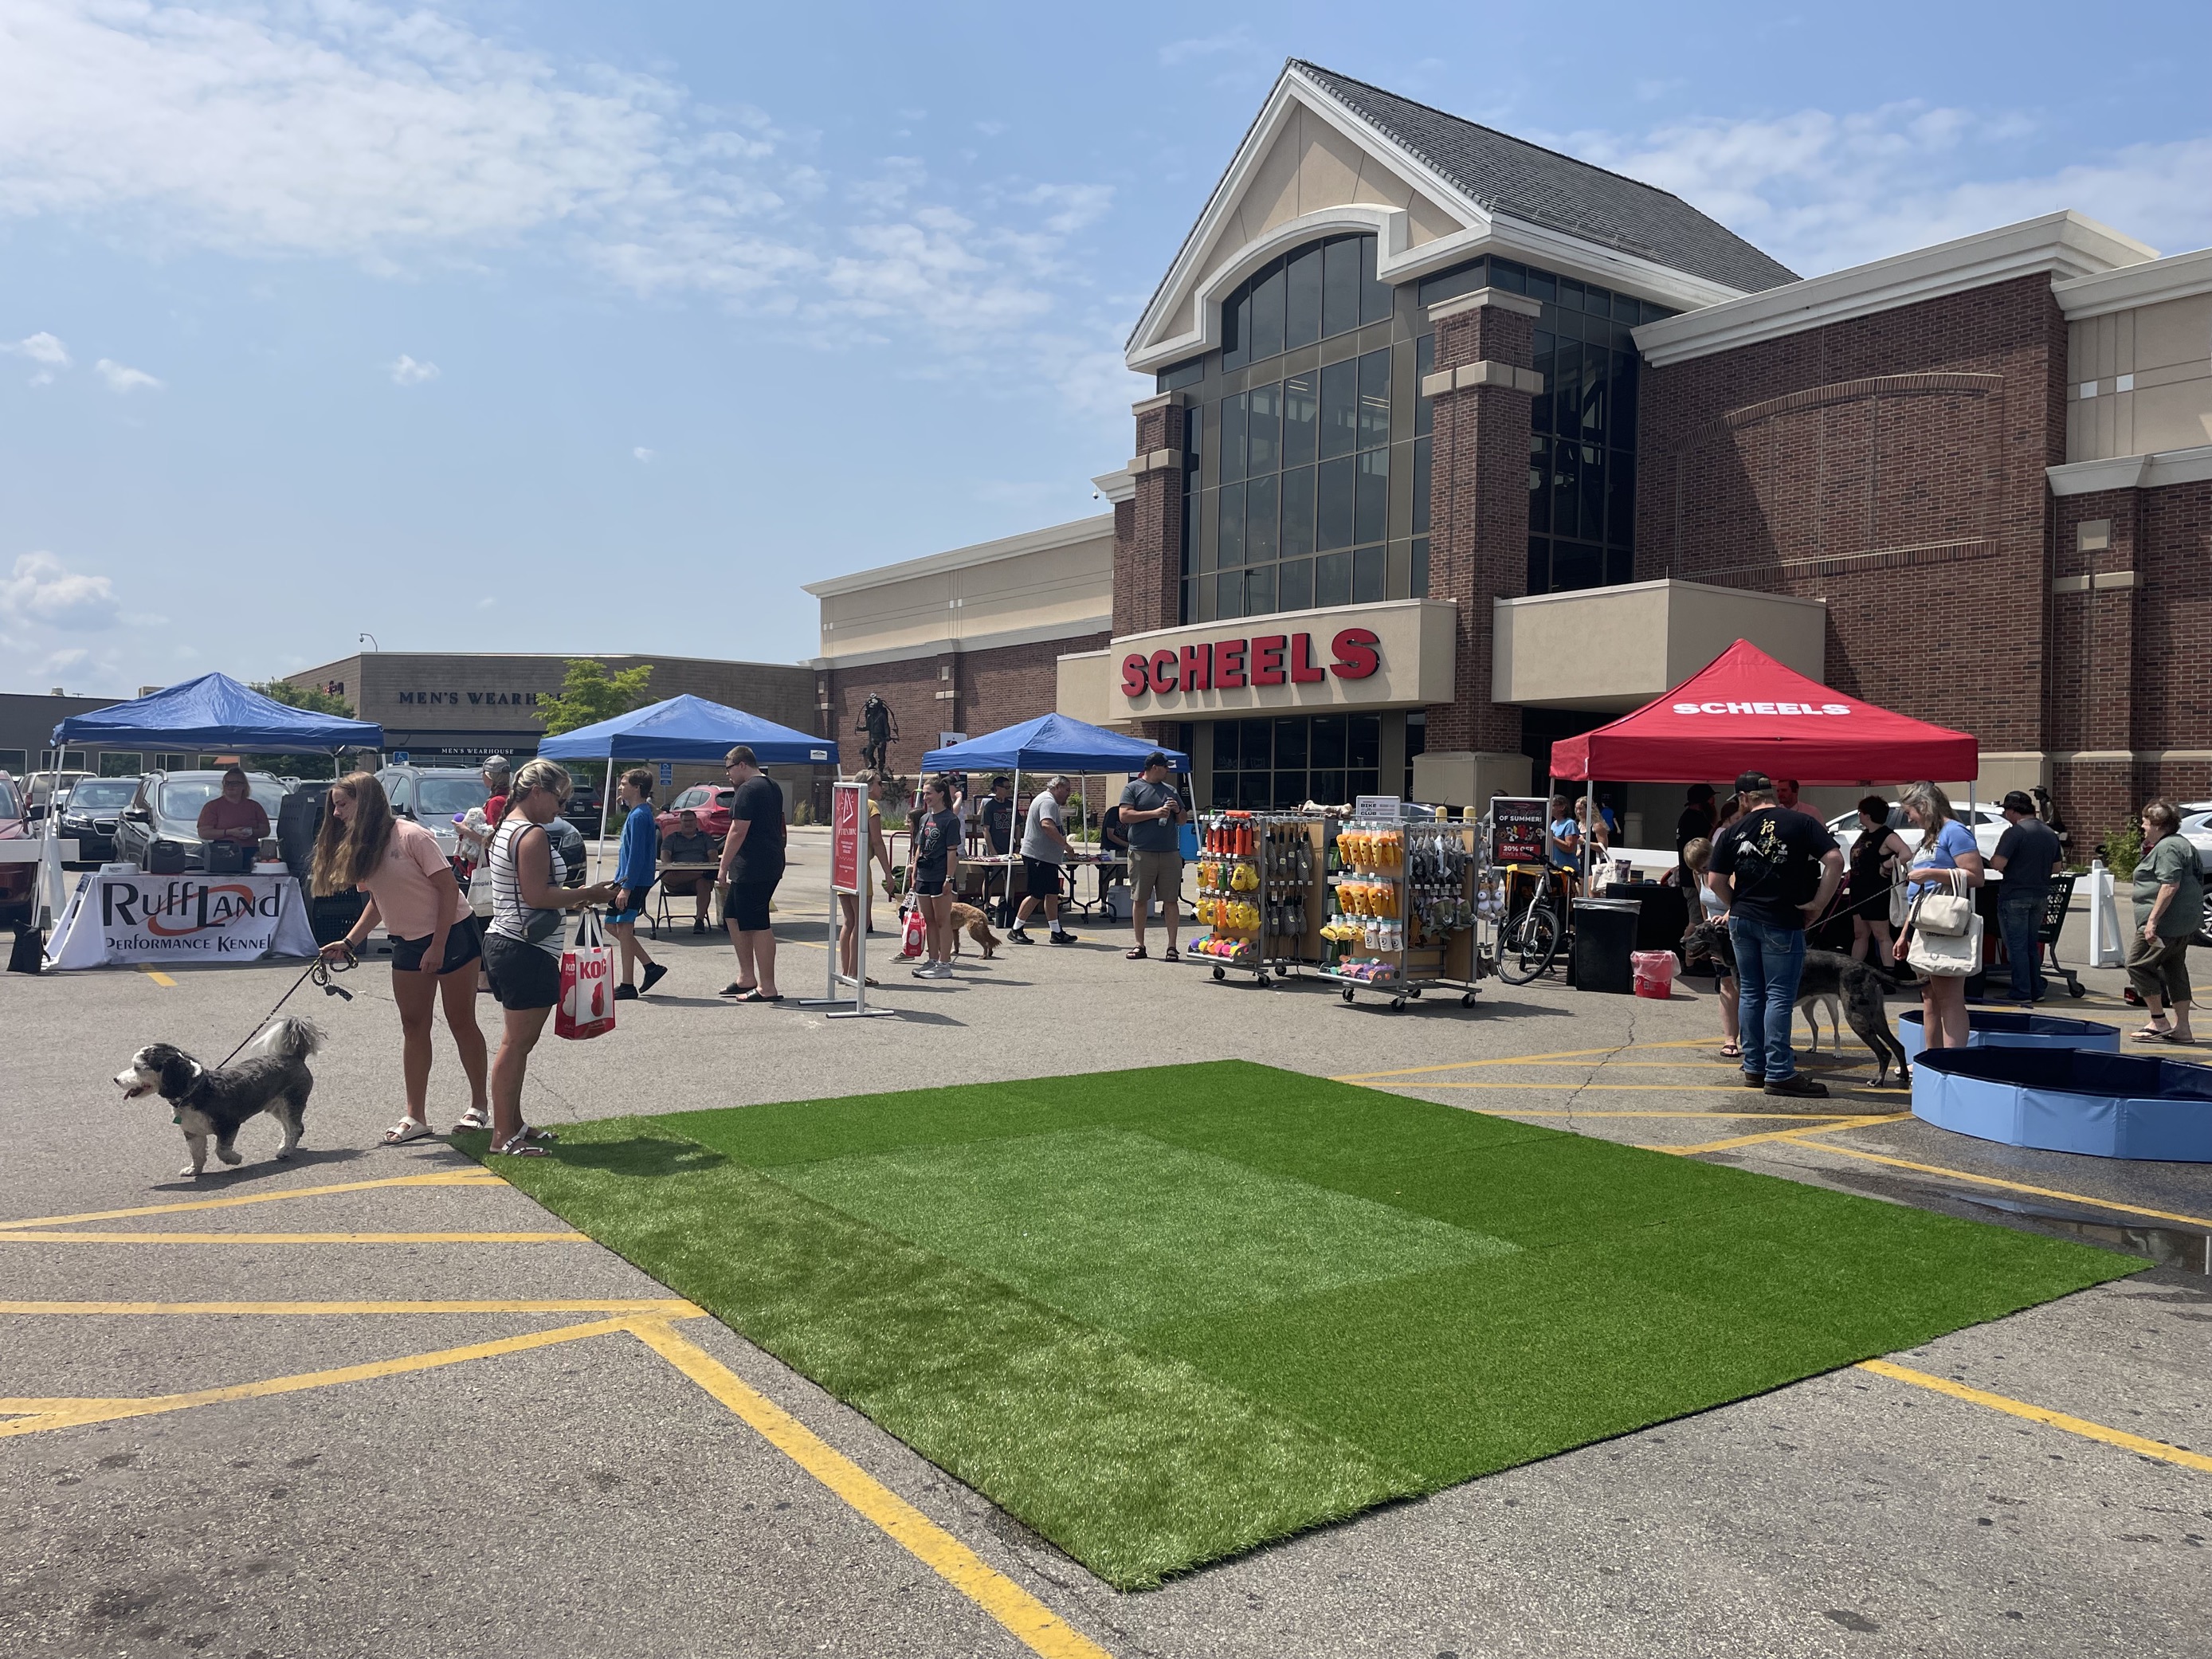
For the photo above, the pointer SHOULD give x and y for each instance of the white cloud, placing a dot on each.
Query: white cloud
(121, 378)
(486, 603)
(642, 453)
(403, 140)
(41, 591)
(1821, 190)
(405, 371)
(43, 349)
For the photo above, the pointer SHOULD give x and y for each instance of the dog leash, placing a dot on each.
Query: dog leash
(318, 970)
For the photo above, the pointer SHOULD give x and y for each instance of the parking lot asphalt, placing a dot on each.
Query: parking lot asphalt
(388, 1404)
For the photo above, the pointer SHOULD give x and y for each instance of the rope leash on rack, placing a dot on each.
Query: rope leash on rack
(318, 970)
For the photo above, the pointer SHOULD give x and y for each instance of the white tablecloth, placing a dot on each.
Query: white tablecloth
(188, 919)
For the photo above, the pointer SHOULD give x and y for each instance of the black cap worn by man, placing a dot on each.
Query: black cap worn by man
(1772, 851)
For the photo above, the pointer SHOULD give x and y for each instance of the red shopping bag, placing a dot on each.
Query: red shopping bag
(587, 984)
(917, 932)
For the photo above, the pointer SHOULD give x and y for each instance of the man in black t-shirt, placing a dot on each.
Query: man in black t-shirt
(2027, 854)
(752, 864)
(1774, 871)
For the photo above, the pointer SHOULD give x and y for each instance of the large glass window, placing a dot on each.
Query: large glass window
(1309, 293)
(1260, 765)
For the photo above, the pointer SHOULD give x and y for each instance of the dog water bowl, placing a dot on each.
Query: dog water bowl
(2069, 1100)
(1991, 1030)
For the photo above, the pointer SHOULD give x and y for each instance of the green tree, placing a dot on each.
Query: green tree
(589, 695)
(315, 701)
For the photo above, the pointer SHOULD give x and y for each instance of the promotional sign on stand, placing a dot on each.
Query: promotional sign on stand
(848, 858)
(1517, 829)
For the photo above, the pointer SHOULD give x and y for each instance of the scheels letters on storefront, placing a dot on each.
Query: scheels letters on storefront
(1260, 659)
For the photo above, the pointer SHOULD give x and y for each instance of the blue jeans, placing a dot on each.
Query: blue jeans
(2019, 919)
(1769, 963)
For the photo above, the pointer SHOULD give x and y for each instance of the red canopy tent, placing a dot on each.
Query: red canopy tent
(1745, 710)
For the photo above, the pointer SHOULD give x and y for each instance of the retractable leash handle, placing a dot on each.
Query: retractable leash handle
(318, 970)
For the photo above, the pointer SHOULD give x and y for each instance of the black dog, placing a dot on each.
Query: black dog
(275, 1081)
(1830, 978)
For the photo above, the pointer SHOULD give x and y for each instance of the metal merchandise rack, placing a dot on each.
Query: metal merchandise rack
(1285, 898)
(1229, 904)
(1423, 936)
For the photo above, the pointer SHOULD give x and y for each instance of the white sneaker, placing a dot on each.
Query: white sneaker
(940, 970)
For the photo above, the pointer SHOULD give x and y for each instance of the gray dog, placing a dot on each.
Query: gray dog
(1830, 978)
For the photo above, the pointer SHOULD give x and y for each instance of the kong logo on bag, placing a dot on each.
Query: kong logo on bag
(588, 1006)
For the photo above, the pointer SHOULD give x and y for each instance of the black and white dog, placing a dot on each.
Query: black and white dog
(218, 1103)
(1830, 978)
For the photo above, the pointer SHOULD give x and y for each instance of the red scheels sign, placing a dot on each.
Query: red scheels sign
(1260, 659)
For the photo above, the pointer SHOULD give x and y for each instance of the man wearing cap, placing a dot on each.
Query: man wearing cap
(1774, 871)
(1044, 851)
(2027, 854)
(1150, 811)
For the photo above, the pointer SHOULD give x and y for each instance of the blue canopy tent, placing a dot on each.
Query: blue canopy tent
(1050, 742)
(684, 728)
(212, 712)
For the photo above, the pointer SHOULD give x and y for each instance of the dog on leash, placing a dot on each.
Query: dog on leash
(967, 919)
(1831, 980)
(216, 1104)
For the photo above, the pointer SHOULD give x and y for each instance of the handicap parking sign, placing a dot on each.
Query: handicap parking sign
(399, 757)
(667, 772)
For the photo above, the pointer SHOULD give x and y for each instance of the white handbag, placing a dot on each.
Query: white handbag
(1935, 949)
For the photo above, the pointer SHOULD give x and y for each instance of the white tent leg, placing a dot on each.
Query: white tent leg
(606, 799)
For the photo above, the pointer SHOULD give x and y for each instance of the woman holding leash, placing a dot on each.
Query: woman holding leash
(522, 951)
(1874, 855)
(1945, 846)
(435, 942)
(936, 869)
(1697, 858)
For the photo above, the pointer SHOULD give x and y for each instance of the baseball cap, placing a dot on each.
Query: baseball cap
(2017, 800)
(1750, 783)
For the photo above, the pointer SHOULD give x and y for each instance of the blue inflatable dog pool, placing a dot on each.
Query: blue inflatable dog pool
(1988, 1029)
(2069, 1100)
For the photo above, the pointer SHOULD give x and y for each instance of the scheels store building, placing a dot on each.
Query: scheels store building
(1460, 447)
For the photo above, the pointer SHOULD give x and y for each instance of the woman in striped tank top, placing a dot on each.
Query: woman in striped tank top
(522, 951)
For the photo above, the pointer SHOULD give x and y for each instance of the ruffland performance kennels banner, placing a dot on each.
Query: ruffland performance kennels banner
(187, 919)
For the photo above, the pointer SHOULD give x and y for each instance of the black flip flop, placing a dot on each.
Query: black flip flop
(734, 989)
(754, 995)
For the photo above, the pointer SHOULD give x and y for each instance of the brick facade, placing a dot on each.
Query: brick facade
(1148, 557)
(991, 688)
(1479, 512)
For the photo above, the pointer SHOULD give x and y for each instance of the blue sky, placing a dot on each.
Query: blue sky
(568, 327)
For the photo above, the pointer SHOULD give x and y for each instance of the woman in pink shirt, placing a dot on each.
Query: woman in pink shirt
(436, 943)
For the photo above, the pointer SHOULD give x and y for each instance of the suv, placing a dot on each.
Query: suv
(19, 883)
(166, 808)
(1987, 822)
(433, 796)
(40, 786)
(90, 812)
(712, 803)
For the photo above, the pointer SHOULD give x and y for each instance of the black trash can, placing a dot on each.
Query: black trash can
(1665, 916)
(1605, 936)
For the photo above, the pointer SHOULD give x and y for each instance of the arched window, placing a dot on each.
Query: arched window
(1296, 298)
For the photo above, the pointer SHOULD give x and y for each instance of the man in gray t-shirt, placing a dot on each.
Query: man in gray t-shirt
(1151, 813)
(1044, 850)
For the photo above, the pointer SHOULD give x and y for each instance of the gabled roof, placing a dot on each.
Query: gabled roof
(1510, 175)
(1436, 192)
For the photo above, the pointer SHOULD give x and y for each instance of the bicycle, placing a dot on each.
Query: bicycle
(1528, 943)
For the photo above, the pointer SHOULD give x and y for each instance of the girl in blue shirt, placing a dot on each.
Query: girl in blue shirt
(1944, 845)
(634, 867)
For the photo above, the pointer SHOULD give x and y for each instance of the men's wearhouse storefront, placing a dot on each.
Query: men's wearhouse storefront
(1460, 447)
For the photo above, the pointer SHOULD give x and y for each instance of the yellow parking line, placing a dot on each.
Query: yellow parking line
(158, 977)
(469, 1177)
(1780, 1134)
(44, 1414)
(1027, 1620)
(1603, 1088)
(2016, 1186)
(674, 1308)
(25, 1236)
(1513, 1059)
(2082, 1426)
(1794, 1117)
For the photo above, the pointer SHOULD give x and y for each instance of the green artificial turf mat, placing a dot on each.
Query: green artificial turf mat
(1115, 1228)
(1162, 1317)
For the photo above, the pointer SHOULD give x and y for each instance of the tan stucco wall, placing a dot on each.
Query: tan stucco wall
(2167, 347)
(1619, 648)
(1067, 587)
(1310, 166)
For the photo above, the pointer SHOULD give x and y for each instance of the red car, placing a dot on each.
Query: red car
(19, 883)
(711, 802)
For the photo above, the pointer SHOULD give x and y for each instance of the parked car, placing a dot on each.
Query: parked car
(711, 801)
(40, 786)
(18, 881)
(2197, 830)
(432, 796)
(582, 806)
(1987, 822)
(90, 812)
(166, 808)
